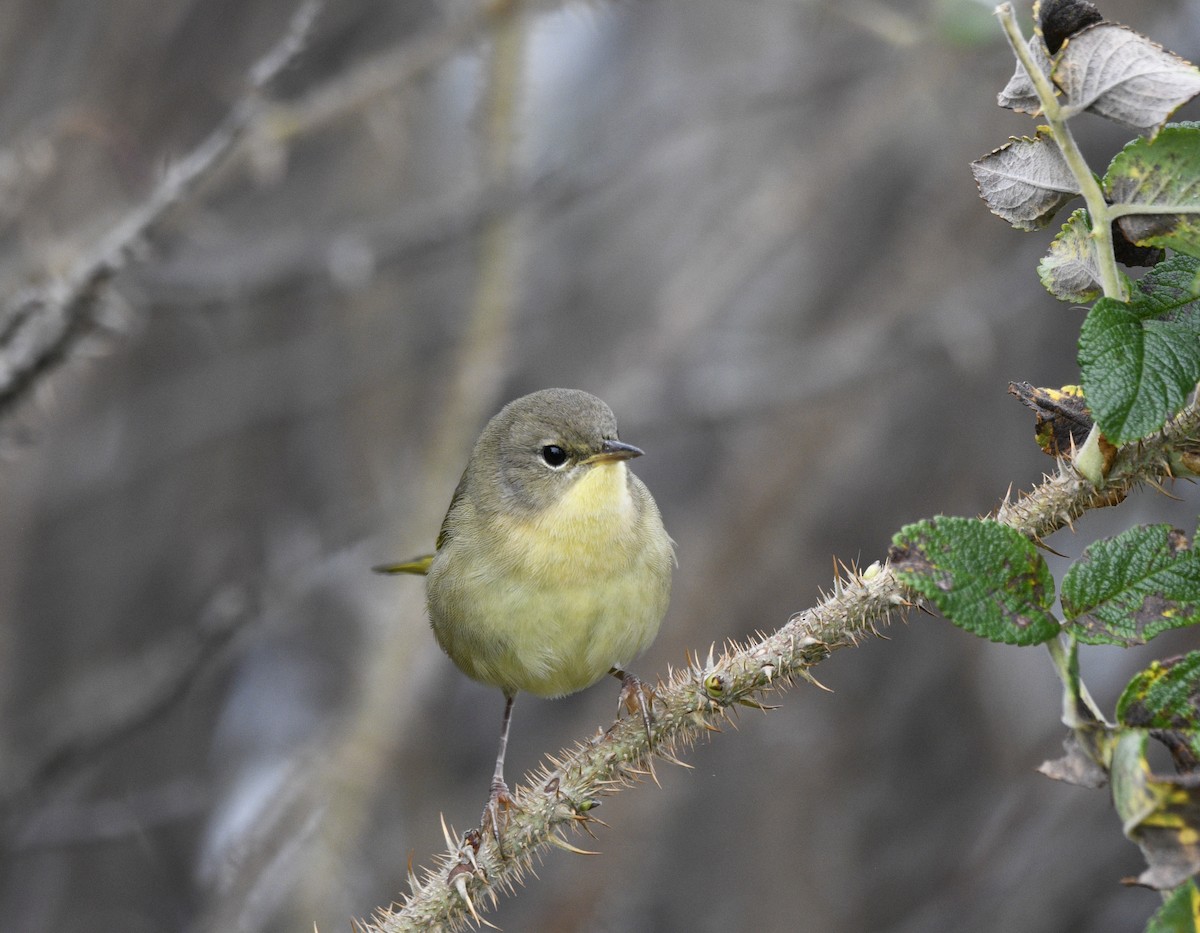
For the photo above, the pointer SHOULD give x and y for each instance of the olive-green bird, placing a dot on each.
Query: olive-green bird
(552, 566)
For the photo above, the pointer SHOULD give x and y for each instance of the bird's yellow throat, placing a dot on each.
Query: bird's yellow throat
(576, 536)
(601, 494)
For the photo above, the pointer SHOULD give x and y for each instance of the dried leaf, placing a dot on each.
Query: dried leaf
(1058, 20)
(1019, 94)
(1161, 813)
(1076, 766)
(1063, 418)
(1115, 72)
(1069, 270)
(1025, 181)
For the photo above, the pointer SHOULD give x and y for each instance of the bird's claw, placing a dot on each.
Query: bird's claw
(499, 801)
(637, 696)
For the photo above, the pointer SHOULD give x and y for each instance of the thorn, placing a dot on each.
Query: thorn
(1038, 542)
(557, 840)
(807, 675)
(1157, 485)
(754, 704)
(450, 846)
(711, 648)
(675, 761)
(583, 819)
(458, 877)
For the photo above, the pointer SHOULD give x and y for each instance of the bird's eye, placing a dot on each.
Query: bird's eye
(554, 456)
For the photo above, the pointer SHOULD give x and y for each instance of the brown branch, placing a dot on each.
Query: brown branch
(695, 699)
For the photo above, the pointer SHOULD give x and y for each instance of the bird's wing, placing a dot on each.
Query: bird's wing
(456, 501)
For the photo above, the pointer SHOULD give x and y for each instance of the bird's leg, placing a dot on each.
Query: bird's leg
(499, 797)
(636, 696)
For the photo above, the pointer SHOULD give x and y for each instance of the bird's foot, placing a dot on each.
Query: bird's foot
(636, 696)
(495, 811)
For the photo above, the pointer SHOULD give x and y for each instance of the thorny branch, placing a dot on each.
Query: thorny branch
(693, 700)
(40, 326)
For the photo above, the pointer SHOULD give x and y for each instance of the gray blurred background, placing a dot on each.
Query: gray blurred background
(748, 225)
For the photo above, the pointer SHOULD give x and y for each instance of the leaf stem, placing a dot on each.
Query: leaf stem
(1089, 186)
(1127, 208)
(1079, 709)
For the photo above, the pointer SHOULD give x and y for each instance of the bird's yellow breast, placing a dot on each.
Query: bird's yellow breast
(585, 534)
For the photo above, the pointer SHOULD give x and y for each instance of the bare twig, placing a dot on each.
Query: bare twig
(694, 700)
(40, 326)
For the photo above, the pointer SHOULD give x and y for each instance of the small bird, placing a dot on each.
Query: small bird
(552, 566)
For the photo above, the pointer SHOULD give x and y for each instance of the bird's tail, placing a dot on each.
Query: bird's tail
(418, 565)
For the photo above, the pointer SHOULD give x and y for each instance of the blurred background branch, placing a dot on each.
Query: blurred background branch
(39, 327)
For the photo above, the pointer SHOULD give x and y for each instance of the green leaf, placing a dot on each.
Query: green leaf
(1127, 589)
(983, 576)
(1141, 359)
(1025, 181)
(1161, 813)
(1162, 174)
(1165, 697)
(1069, 271)
(1180, 913)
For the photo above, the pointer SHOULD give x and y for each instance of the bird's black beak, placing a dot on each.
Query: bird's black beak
(611, 451)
